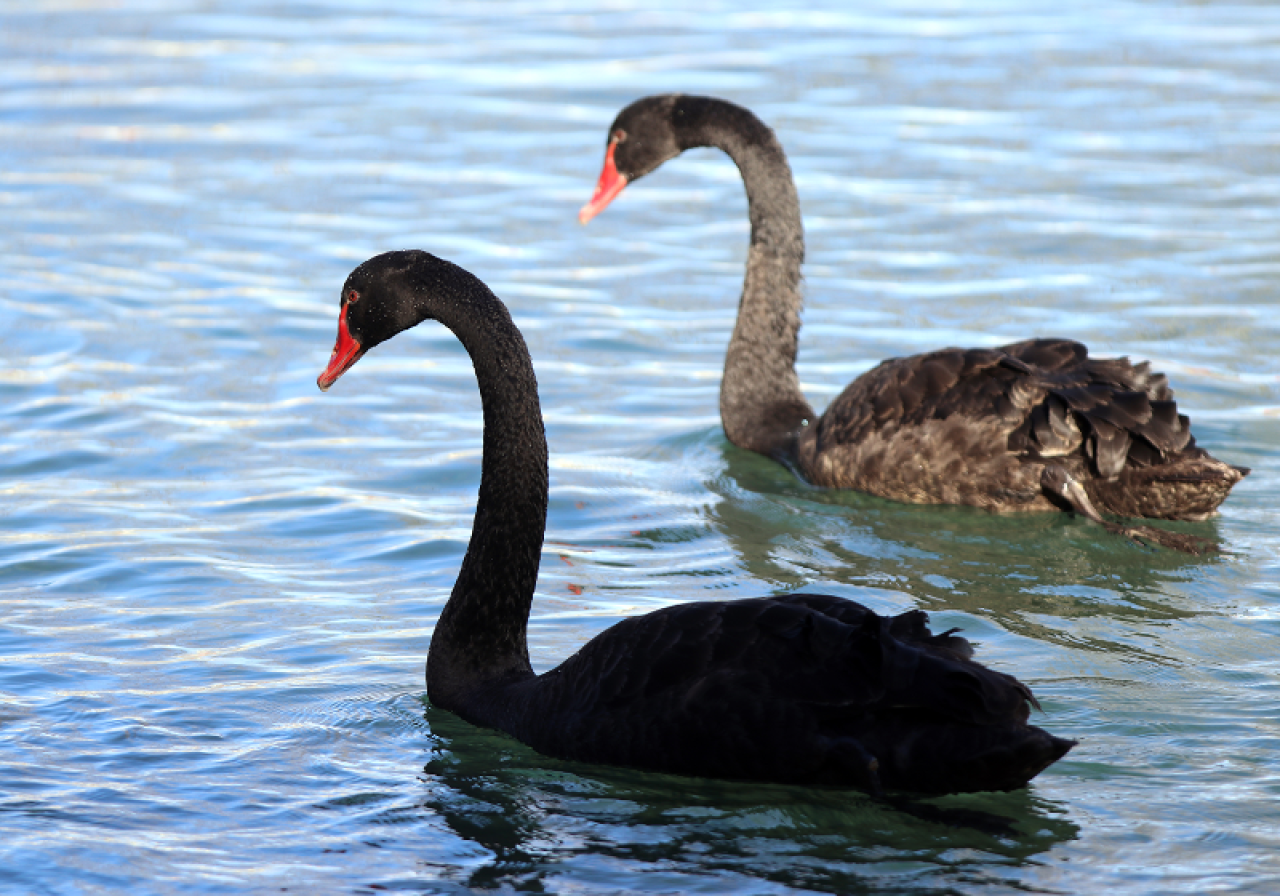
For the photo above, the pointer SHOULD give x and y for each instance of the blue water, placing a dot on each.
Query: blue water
(219, 585)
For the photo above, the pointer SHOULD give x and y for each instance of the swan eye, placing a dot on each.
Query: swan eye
(352, 296)
(619, 136)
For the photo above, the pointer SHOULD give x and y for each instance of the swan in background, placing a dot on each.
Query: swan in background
(1037, 425)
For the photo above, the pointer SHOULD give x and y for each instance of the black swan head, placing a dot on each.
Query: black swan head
(640, 139)
(386, 295)
(656, 129)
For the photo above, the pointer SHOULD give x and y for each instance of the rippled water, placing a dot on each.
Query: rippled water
(219, 585)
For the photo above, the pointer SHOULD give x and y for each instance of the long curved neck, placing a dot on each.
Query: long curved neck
(480, 640)
(761, 405)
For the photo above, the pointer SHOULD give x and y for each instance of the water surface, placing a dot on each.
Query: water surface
(219, 584)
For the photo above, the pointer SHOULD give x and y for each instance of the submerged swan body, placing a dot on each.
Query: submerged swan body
(806, 688)
(1033, 426)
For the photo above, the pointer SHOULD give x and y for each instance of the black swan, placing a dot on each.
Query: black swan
(806, 689)
(1033, 426)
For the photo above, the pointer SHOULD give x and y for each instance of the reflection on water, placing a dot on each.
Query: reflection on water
(530, 814)
(1003, 567)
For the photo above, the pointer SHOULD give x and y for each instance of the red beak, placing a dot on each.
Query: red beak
(608, 186)
(346, 351)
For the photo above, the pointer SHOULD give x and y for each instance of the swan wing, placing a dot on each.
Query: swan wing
(809, 688)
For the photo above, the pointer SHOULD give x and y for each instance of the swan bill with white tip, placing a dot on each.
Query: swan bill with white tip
(608, 186)
(346, 352)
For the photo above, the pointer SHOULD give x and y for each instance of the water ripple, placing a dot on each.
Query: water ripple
(221, 585)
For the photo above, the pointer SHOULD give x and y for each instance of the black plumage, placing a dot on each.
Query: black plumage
(985, 427)
(806, 689)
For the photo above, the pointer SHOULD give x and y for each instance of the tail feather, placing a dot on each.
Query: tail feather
(942, 758)
(1188, 488)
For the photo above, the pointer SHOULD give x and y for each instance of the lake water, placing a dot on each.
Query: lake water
(219, 585)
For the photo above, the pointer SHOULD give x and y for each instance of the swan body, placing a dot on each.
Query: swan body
(805, 688)
(999, 428)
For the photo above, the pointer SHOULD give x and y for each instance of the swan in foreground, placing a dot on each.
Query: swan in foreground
(1033, 426)
(803, 689)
